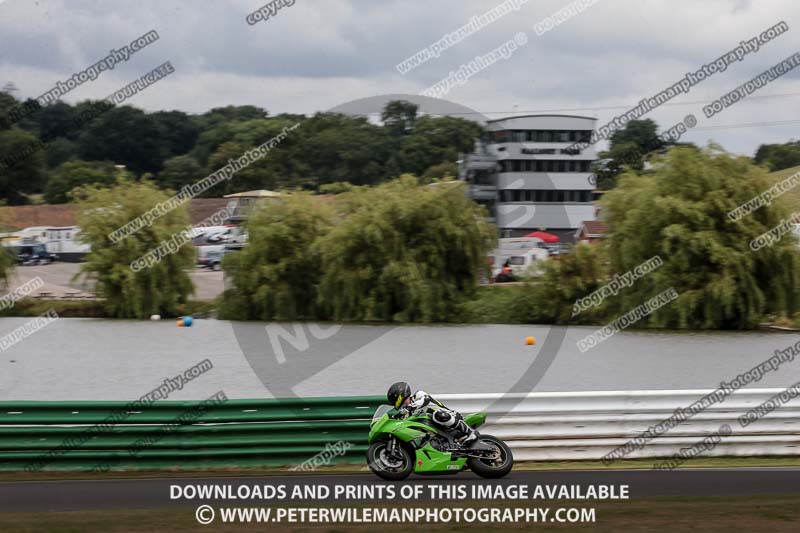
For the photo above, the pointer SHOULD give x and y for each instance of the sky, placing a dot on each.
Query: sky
(315, 55)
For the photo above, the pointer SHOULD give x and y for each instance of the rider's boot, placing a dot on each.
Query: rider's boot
(469, 435)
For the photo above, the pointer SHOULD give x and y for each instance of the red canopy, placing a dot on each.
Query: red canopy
(546, 237)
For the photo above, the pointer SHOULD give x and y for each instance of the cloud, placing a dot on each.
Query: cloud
(316, 54)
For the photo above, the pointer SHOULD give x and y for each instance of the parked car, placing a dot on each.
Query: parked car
(211, 259)
(210, 241)
(32, 254)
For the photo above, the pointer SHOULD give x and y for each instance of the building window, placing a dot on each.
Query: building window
(563, 136)
(545, 196)
(518, 136)
(500, 136)
(549, 165)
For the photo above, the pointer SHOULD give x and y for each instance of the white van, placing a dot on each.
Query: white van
(522, 254)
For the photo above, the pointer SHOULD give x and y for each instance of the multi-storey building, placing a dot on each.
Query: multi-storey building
(530, 178)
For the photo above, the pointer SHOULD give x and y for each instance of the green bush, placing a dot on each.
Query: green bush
(398, 252)
(403, 252)
(338, 187)
(493, 304)
(548, 298)
(565, 280)
(275, 277)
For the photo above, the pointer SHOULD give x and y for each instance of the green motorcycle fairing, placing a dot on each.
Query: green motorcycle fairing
(475, 419)
(428, 460)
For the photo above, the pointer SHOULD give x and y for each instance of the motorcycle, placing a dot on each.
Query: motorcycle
(400, 446)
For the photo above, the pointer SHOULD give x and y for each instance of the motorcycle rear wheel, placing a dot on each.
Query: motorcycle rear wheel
(379, 462)
(493, 468)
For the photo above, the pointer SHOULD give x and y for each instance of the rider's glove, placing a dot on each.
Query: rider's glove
(403, 413)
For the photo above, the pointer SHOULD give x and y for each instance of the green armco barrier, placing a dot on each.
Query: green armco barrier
(164, 412)
(51, 436)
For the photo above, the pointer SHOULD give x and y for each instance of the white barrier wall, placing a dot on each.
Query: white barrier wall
(589, 425)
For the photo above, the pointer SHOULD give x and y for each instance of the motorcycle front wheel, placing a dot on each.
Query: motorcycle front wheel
(498, 464)
(390, 467)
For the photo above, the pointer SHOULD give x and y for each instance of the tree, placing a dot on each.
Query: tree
(124, 135)
(276, 276)
(8, 260)
(778, 156)
(20, 114)
(179, 171)
(641, 133)
(177, 132)
(60, 150)
(403, 252)
(21, 165)
(398, 116)
(74, 174)
(275, 170)
(7, 103)
(230, 113)
(679, 212)
(57, 120)
(628, 148)
(440, 171)
(550, 299)
(128, 292)
(396, 252)
(247, 132)
(435, 140)
(339, 187)
(332, 147)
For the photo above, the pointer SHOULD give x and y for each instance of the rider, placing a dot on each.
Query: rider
(422, 403)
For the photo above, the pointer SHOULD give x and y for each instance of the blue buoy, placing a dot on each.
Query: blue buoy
(187, 321)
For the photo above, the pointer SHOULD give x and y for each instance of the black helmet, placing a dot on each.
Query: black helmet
(397, 393)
